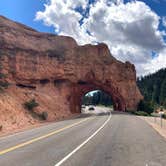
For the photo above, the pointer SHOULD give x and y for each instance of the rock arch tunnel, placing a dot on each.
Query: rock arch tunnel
(81, 90)
(58, 69)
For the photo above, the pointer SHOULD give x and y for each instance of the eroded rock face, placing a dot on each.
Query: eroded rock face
(58, 72)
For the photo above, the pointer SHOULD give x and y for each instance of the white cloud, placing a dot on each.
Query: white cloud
(156, 64)
(61, 15)
(164, 21)
(130, 30)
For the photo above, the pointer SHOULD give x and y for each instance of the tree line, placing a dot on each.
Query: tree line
(153, 88)
(97, 98)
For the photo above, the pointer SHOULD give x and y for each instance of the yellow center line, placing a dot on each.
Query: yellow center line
(41, 137)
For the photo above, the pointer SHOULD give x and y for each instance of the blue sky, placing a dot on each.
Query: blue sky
(24, 11)
(129, 28)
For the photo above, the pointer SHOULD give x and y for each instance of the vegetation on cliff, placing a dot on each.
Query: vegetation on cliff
(3, 83)
(31, 105)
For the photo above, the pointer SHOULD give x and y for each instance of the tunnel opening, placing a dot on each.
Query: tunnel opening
(97, 102)
(90, 89)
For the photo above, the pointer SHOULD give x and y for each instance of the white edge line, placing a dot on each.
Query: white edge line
(82, 144)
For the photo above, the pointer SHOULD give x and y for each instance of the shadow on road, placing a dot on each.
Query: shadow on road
(103, 114)
(86, 115)
(120, 112)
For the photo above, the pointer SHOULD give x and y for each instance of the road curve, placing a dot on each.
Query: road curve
(122, 140)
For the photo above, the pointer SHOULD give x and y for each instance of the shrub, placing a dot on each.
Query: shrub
(2, 76)
(145, 107)
(44, 115)
(3, 85)
(30, 105)
(141, 113)
(130, 111)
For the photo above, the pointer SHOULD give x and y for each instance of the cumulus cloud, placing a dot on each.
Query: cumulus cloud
(156, 64)
(62, 15)
(164, 21)
(130, 29)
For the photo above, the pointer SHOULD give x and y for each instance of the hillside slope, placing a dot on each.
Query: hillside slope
(153, 87)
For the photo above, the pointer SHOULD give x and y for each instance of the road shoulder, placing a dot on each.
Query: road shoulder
(155, 125)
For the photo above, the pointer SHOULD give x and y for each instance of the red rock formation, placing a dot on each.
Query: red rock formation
(58, 72)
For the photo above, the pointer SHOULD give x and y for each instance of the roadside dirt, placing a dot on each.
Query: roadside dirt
(155, 122)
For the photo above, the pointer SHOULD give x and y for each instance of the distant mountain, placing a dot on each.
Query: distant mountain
(153, 87)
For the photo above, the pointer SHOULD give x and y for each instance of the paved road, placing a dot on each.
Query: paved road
(98, 140)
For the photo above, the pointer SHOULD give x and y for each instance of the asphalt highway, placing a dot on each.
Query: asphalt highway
(101, 139)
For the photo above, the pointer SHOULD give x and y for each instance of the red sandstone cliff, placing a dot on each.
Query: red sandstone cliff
(57, 73)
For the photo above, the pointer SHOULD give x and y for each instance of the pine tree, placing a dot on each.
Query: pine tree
(163, 93)
(153, 88)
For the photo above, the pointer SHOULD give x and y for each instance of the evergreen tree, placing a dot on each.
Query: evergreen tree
(97, 98)
(153, 87)
(163, 93)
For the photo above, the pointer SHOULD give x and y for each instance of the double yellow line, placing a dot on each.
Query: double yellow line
(40, 138)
